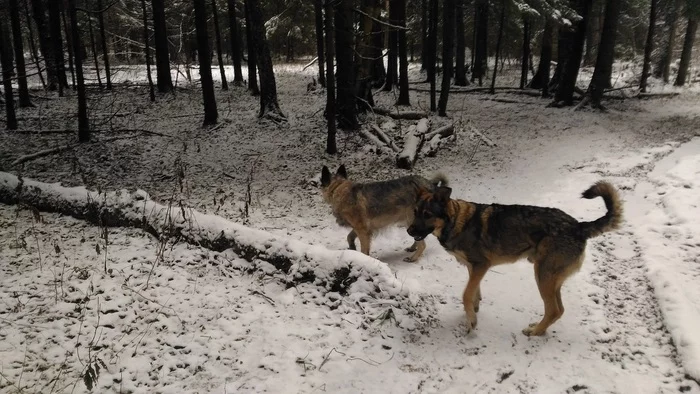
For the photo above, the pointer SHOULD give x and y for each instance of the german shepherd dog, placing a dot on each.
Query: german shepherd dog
(481, 236)
(370, 207)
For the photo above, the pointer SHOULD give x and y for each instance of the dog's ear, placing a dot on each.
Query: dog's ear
(443, 193)
(325, 176)
(342, 172)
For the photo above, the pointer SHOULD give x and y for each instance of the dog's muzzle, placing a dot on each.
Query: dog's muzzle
(416, 236)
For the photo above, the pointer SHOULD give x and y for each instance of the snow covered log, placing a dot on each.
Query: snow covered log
(436, 138)
(412, 143)
(336, 273)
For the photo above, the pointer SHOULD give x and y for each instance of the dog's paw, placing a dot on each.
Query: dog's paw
(352, 247)
(411, 249)
(532, 331)
(410, 259)
(471, 322)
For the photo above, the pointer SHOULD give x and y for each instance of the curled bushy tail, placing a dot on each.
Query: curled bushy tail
(612, 219)
(439, 180)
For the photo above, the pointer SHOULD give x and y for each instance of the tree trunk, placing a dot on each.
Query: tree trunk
(7, 76)
(93, 47)
(448, 14)
(32, 45)
(83, 124)
(392, 44)
(70, 46)
(318, 14)
(269, 106)
(541, 78)
(252, 61)
(363, 47)
(378, 70)
(565, 90)
(204, 56)
(22, 88)
(235, 43)
(45, 44)
(103, 44)
(345, 77)
(219, 52)
(460, 69)
(649, 47)
(687, 51)
(482, 31)
(57, 44)
(606, 53)
(164, 80)
(424, 35)
(663, 70)
(525, 62)
(151, 90)
(330, 82)
(403, 56)
(498, 46)
(432, 52)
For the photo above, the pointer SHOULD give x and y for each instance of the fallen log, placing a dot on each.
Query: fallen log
(412, 144)
(407, 115)
(369, 283)
(435, 139)
(385, 138)
(383, 147)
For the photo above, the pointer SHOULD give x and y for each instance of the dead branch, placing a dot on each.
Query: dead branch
(376, 141)
(385, 138)
(59, 149)
(311, 63)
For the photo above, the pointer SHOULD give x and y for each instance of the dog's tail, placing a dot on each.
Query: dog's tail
(612, 219)
(439, 180)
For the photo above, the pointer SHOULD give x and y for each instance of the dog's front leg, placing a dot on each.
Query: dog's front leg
(477, 298)
(471, 292)
(352, 236)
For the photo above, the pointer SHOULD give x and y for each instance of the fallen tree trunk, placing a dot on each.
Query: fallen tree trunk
(381, 145)
(367, 281)
(412, 144)
(408, 115)
(436, 138)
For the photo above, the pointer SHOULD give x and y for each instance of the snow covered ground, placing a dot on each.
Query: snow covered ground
(201, 326)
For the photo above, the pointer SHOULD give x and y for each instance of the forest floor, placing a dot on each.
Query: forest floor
(632, 311)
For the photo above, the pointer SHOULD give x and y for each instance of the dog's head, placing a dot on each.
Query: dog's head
(330, 182)
(430, 215)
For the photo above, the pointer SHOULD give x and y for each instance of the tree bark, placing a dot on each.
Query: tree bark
(541, 78)
(432, 53)
(498, 46)
(460, 68)
(331, 148)
(219, 52)
(649, 47)
(690, 31)
(22, 88)
(269, 106)
(318, 14)
(235, 43)
(403, 56)
(448, 14)
(32, 44)
(345, 76)
(57, 44)
(525, 62)
(424, 35)
(363, 47)
(70, 46)
(6, 63)
(83, 124)
(481, 52)
(252, 58)
(204, 56)
(392, 45)
(103, 44)
(45, 44)
(164, 80)
(565, 90)
(147, 48)
(93, 47)
(378, 70)
(606, 53)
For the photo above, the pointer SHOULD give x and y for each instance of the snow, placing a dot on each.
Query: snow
(213, 322)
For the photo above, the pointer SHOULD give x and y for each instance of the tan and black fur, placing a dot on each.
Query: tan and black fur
(481, 236)
(370, 207)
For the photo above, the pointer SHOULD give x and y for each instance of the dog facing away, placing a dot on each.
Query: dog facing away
(481, 236)
(370, 207)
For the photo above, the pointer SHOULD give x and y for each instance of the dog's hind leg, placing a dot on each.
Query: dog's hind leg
(550, 291)
(477, 299)
(418, 248)
(365, 239)
(352, 235)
